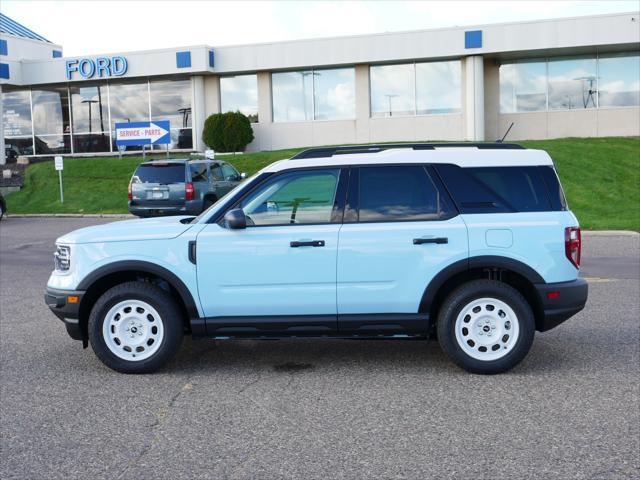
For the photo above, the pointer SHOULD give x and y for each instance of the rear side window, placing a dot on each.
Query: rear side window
(199, 172)
(163, 173)
(497, 189)
(397, 193)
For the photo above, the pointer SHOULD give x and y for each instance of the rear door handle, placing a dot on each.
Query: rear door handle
(439, 240)
(309, 243)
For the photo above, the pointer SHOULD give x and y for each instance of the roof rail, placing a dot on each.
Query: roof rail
(323, 152)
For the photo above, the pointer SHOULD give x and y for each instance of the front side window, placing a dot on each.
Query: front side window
(228, 172)
(240, 94)
(393, 193)
(304, 197)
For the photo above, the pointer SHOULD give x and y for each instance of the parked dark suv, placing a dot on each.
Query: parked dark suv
(179, 187)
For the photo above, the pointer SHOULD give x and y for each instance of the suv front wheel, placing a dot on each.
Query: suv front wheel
(135, 327)
(486, 327)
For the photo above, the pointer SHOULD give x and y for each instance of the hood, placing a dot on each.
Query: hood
(160, 228)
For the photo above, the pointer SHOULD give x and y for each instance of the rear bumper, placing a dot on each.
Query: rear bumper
(69, 313)
(561, 301)
(191, 207)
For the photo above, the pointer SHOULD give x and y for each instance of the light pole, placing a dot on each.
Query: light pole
(90, 103)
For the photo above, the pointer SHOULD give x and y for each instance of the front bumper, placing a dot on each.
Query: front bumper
(560, 301)
(69, 313)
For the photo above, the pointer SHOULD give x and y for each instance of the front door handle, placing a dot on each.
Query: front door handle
(309, 243)
(438, 240)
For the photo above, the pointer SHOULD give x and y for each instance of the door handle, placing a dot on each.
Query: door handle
(438, 240)
(309, 243)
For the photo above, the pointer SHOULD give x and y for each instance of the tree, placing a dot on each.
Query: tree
(227, 132)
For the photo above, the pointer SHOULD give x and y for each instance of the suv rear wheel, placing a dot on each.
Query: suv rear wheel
(486, 326)
(135, 327)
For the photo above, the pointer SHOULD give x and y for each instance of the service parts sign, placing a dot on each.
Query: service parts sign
(143, 133)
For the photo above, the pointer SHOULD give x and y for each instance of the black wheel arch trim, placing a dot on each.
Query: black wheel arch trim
(144, 267)
(482, 261)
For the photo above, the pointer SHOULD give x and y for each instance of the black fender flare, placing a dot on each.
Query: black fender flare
(144, 267)
(482, 261)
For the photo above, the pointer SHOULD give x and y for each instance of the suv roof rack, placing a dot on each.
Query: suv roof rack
(323, 152)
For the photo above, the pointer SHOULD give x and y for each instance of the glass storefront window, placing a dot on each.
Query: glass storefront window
(16, 146)
(52, 144)
(523, 86)
(392, 90)
(334, 94)
(89, 108)
(16, 113)
(240, 93)
(91, 142)
(292, 94)
(573, 83)
(181, 138)
(129, 102)
(171, 100)
(619, 80)
(50, 111)
(438, 87)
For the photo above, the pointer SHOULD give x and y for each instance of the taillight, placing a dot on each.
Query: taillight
(130, 192)
(573, 245)
(188, 191)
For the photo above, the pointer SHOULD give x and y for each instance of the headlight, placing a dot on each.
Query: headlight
(62, 258)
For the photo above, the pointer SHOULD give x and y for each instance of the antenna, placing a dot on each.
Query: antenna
(505, 133)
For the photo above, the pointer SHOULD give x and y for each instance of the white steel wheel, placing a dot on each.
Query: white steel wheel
(133, 330)
(487, 329)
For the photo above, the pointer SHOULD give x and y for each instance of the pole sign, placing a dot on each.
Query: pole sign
(58, 163)
(143, 133)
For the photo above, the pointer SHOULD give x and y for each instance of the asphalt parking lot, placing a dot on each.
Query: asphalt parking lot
(319, 408)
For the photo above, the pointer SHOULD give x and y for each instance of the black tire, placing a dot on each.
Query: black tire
(162, 302)
(207, 203)
(464, 295)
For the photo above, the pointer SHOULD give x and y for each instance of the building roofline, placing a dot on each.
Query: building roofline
(424, 30)
(17, 27)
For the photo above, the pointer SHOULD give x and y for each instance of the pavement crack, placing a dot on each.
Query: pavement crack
(160, 417)
(251, 383)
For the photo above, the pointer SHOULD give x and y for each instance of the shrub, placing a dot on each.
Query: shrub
(227, 132)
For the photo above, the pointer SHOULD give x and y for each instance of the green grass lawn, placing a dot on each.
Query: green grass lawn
(601, 178)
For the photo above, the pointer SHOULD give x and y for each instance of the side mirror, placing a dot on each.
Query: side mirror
(235, 219)
(243, 176)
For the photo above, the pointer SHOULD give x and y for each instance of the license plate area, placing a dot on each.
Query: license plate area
(157, 194)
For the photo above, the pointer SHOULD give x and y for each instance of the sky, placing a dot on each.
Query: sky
(96, 27)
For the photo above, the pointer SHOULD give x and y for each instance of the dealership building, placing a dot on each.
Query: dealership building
(569, 77)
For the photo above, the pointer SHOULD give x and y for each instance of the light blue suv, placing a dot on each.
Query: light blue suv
(472, 243)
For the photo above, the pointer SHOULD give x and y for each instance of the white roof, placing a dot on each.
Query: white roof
(463, 157)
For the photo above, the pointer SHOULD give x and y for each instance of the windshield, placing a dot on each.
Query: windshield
(159, 173)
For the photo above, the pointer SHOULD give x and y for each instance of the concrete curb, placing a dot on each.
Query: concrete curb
(70, 215)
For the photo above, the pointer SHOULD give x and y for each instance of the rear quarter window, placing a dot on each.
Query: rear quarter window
(163, 173)
(499, 189)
